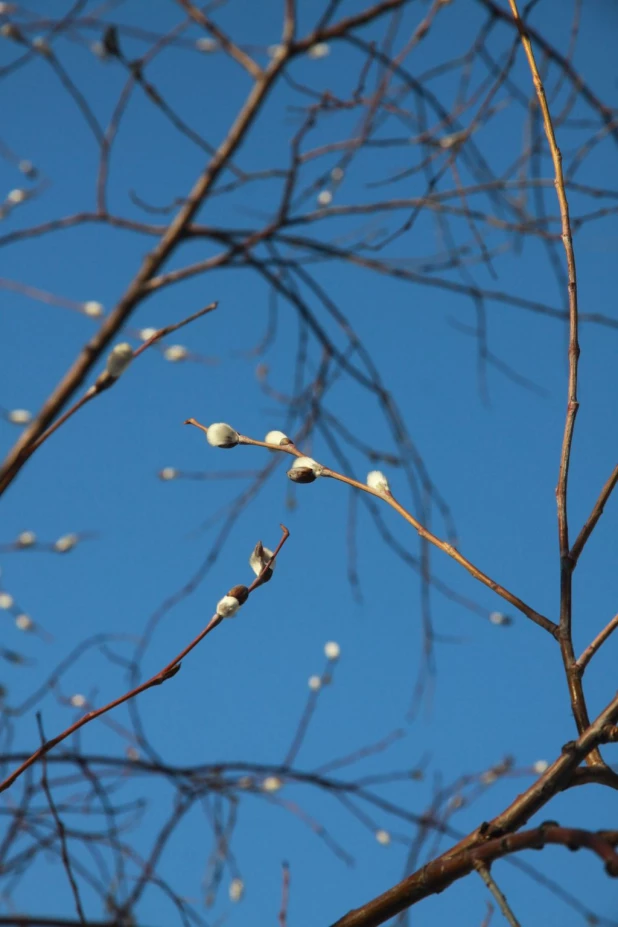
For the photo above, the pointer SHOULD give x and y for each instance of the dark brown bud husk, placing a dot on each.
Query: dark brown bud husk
(241, 593)
(302, 475)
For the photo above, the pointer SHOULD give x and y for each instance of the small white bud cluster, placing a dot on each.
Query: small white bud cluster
(66, 543)
(260, 556)
(540, 767)
(237, 889)
(278, 438)
(222, 435)
(272, 784)
(24, 622)
(78, 700)
(383, 837)
(118, 360)
(42, 46)
(499, 618)
(230, 603)
(337, 174)
(305, 470)
(332, 650)
(315, 683)
(147, 333)
(207, 45)
(175, 352)
(26, 539)
(6, 600)
(99, 49)
(276, 51)
(325, 198)
(19, 416)
(168, 473)
(93, 309)
(376, 480)
(319, 50)
(27, 168)
(10, 31)
(17, 196)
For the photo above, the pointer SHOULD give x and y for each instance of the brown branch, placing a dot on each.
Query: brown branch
(168, 671)
(451, 866)
(444, 546)
(592, 648)
(594, 516)
(285, 895)
(64, 852)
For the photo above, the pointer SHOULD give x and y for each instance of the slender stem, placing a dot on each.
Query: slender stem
(594, 516)
(486, 876)
(592, 648)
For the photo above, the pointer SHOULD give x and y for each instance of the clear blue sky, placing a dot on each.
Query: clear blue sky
(497, 691)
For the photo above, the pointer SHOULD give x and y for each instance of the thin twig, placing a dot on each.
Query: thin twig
(592, 648)
(503, 904)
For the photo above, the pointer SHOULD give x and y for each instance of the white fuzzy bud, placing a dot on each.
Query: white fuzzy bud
(175, 352)
(24, 622)
(17, 196)
(26, 539)
(222, 435)
(119, 359)
(305, 470)
(99, 49)
(78, 700)
(207, 45)
(237, 889)
(277, 437)
(93, 309)
(147, 333)
(6, 600)
(41, 45)
(272, 784)
(332, 650)
(260, 556)
(376, 480)
(168, 473)
(20, 416)
(66, 543)
(227, 606)
(325, 198)
(337, 174)
(276, 51)
(498, 618)
(540, 767)
(319, 50)
(383, 837)
(315, 683)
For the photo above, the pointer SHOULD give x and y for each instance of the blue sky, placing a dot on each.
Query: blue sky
(497, 691)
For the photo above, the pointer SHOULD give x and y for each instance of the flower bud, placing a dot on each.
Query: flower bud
(175, 352)
(383, 837)
(499, 618)
(19, 416)
(26, 539)
(222, 435)
(319, 50)
(78, 700)
(325, 198)
(17, 196)
(278, 438)
(237, 889)
(305, 470)
(42, 46)
(27, 168)
(272, 784)
(168, 473)
(119, 359)
(376, 480)
(540, 767)
(93, 309)
(24, 622)
(337, 174)
(66, 543)
(332, 650)
(207, 45)
(227, 606)
(315, 683)
(258, 560)
(147, 333)
(241, 593)
(6, 600)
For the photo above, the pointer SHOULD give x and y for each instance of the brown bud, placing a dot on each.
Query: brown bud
(241, 593)
(302, 475)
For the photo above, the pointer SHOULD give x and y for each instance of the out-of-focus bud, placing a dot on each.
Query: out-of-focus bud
(222, 435)
(119, 359)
